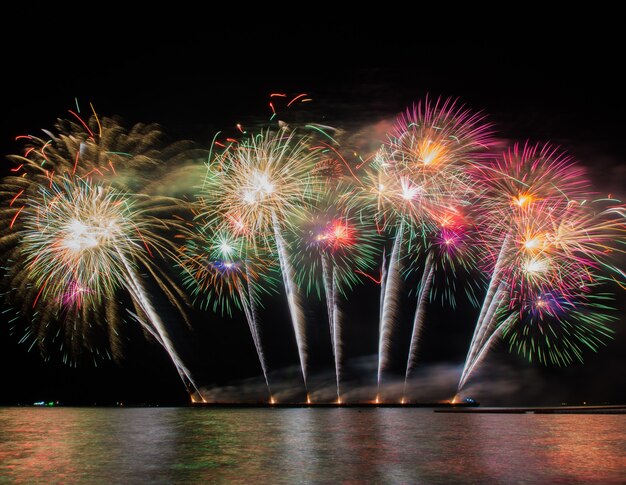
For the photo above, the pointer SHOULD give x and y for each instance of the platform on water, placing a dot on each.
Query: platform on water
(586, 409)
(336, 405)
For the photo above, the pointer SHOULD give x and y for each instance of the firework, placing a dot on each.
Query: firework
(101, 149)
(449, 263)
(332, 250)
(418, 175)
(76, 238)
(555, 328)
(86, 228)
(221, 271)
(263, 179)
(552, 243)
(257, 188)
(335, 236)
(553, 287)
(218, 265)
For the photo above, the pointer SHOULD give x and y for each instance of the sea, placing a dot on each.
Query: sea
(160, 445)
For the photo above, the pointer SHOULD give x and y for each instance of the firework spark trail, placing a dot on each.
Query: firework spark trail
(337, 336)
(293, 299)
(493, 282)
(330, 291)
(328, 280)
(140, 296)
(146, 326)
(496, 303)
(480, 328)
(422, 297)
(249, 308)
(389, 306)
(332, 247)
(383, 281)
(222, 272)
(252, 305)
(482, 352)
(485, 327)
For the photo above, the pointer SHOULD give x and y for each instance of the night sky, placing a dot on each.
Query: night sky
(197, 81)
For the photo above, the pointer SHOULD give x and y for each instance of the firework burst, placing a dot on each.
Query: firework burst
(337, 236)
(264, 180)
(219, 267)
(551, 242)
(101, 149)
(75, 238)
(552, 287)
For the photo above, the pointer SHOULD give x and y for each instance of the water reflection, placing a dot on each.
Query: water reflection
(182, 445)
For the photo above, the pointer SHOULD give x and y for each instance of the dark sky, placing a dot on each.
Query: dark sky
(535, 82)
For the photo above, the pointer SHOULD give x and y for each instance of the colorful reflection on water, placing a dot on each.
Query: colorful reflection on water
(183, 445)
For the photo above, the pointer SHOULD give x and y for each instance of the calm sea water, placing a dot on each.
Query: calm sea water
(273, 446)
